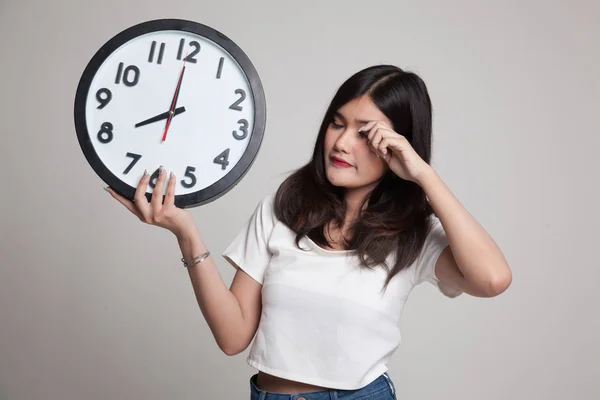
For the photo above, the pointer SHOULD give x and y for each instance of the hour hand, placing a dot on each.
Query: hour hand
(160, 117)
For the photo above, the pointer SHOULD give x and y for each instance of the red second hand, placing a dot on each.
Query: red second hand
(174, 101)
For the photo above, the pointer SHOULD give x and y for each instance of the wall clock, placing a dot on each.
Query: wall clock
(174, 93)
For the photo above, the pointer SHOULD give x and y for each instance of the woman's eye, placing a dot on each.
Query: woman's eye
(363, 135)
(336, 126)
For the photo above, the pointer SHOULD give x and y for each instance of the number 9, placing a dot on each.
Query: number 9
(103, 100)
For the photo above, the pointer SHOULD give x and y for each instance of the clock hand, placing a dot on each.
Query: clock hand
(174, 102)
(160, 117)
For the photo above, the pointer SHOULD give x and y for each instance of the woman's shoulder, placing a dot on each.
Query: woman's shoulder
(433, 223)
(264, 210)
(267, 203)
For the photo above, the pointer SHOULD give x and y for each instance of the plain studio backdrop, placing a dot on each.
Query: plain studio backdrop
(96, 305)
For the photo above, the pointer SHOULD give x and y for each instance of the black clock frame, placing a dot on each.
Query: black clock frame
(217, 189)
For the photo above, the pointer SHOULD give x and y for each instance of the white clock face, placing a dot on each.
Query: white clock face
(132, 92)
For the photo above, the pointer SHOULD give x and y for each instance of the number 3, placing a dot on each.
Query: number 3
(243, 128)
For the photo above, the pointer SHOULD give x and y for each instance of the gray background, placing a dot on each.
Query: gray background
(96, 305)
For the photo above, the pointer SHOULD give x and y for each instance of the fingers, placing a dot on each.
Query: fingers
(157, 194)
(149, 212)
(382, 146)
(170, 196)
(368, 126)
(126, 202)
(376, 136)
(377, 133)
(141, 202)
(380, 136)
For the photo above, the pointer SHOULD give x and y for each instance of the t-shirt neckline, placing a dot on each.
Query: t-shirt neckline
(321, 250)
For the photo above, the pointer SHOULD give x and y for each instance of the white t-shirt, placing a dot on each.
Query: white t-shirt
(324, 320)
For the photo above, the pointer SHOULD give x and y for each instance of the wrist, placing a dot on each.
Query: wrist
(187, 236)
(191, 244)
(427, 178)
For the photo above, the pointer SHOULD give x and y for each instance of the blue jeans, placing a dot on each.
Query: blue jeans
(381, 388)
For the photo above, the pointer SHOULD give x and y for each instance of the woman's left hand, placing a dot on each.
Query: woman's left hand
(396, 151)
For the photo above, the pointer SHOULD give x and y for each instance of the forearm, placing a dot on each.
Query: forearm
(218, 304)
(476, 254)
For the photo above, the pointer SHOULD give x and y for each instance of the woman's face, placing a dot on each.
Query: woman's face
(350, 161)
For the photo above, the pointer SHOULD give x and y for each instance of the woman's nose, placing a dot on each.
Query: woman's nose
(344, 141)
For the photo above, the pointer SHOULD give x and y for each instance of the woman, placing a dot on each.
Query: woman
(325, 265)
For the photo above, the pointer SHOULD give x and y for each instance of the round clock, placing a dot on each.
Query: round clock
(174, 93)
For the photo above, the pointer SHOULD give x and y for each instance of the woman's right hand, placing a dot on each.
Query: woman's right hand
(156, 212)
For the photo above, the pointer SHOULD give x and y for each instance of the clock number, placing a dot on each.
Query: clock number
(153, 179)
(105, 134)
(222, 159)
(243, 128)
(236, 105)
(189, 173)
(126, 75)
(103, 96)
(136, 158)
(190, 57)
(220, 69)
(160, 52)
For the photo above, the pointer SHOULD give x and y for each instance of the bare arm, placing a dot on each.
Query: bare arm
(232, 314)
(473, 262)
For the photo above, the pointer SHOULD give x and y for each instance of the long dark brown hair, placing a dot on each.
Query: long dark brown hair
(396, 216)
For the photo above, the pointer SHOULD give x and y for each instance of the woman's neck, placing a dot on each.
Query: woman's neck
(354, 199)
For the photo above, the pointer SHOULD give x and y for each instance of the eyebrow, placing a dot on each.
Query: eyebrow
(340, 116)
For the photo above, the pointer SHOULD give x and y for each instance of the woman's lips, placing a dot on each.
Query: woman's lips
(340, 163)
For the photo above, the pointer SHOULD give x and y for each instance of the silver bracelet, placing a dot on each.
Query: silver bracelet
(195, 260)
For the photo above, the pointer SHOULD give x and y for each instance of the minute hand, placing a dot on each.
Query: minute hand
(160, 117)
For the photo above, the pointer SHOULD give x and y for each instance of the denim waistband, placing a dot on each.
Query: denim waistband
(381, 384)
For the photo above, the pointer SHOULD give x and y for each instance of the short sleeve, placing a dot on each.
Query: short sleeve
(249, 250)
(435, 242)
